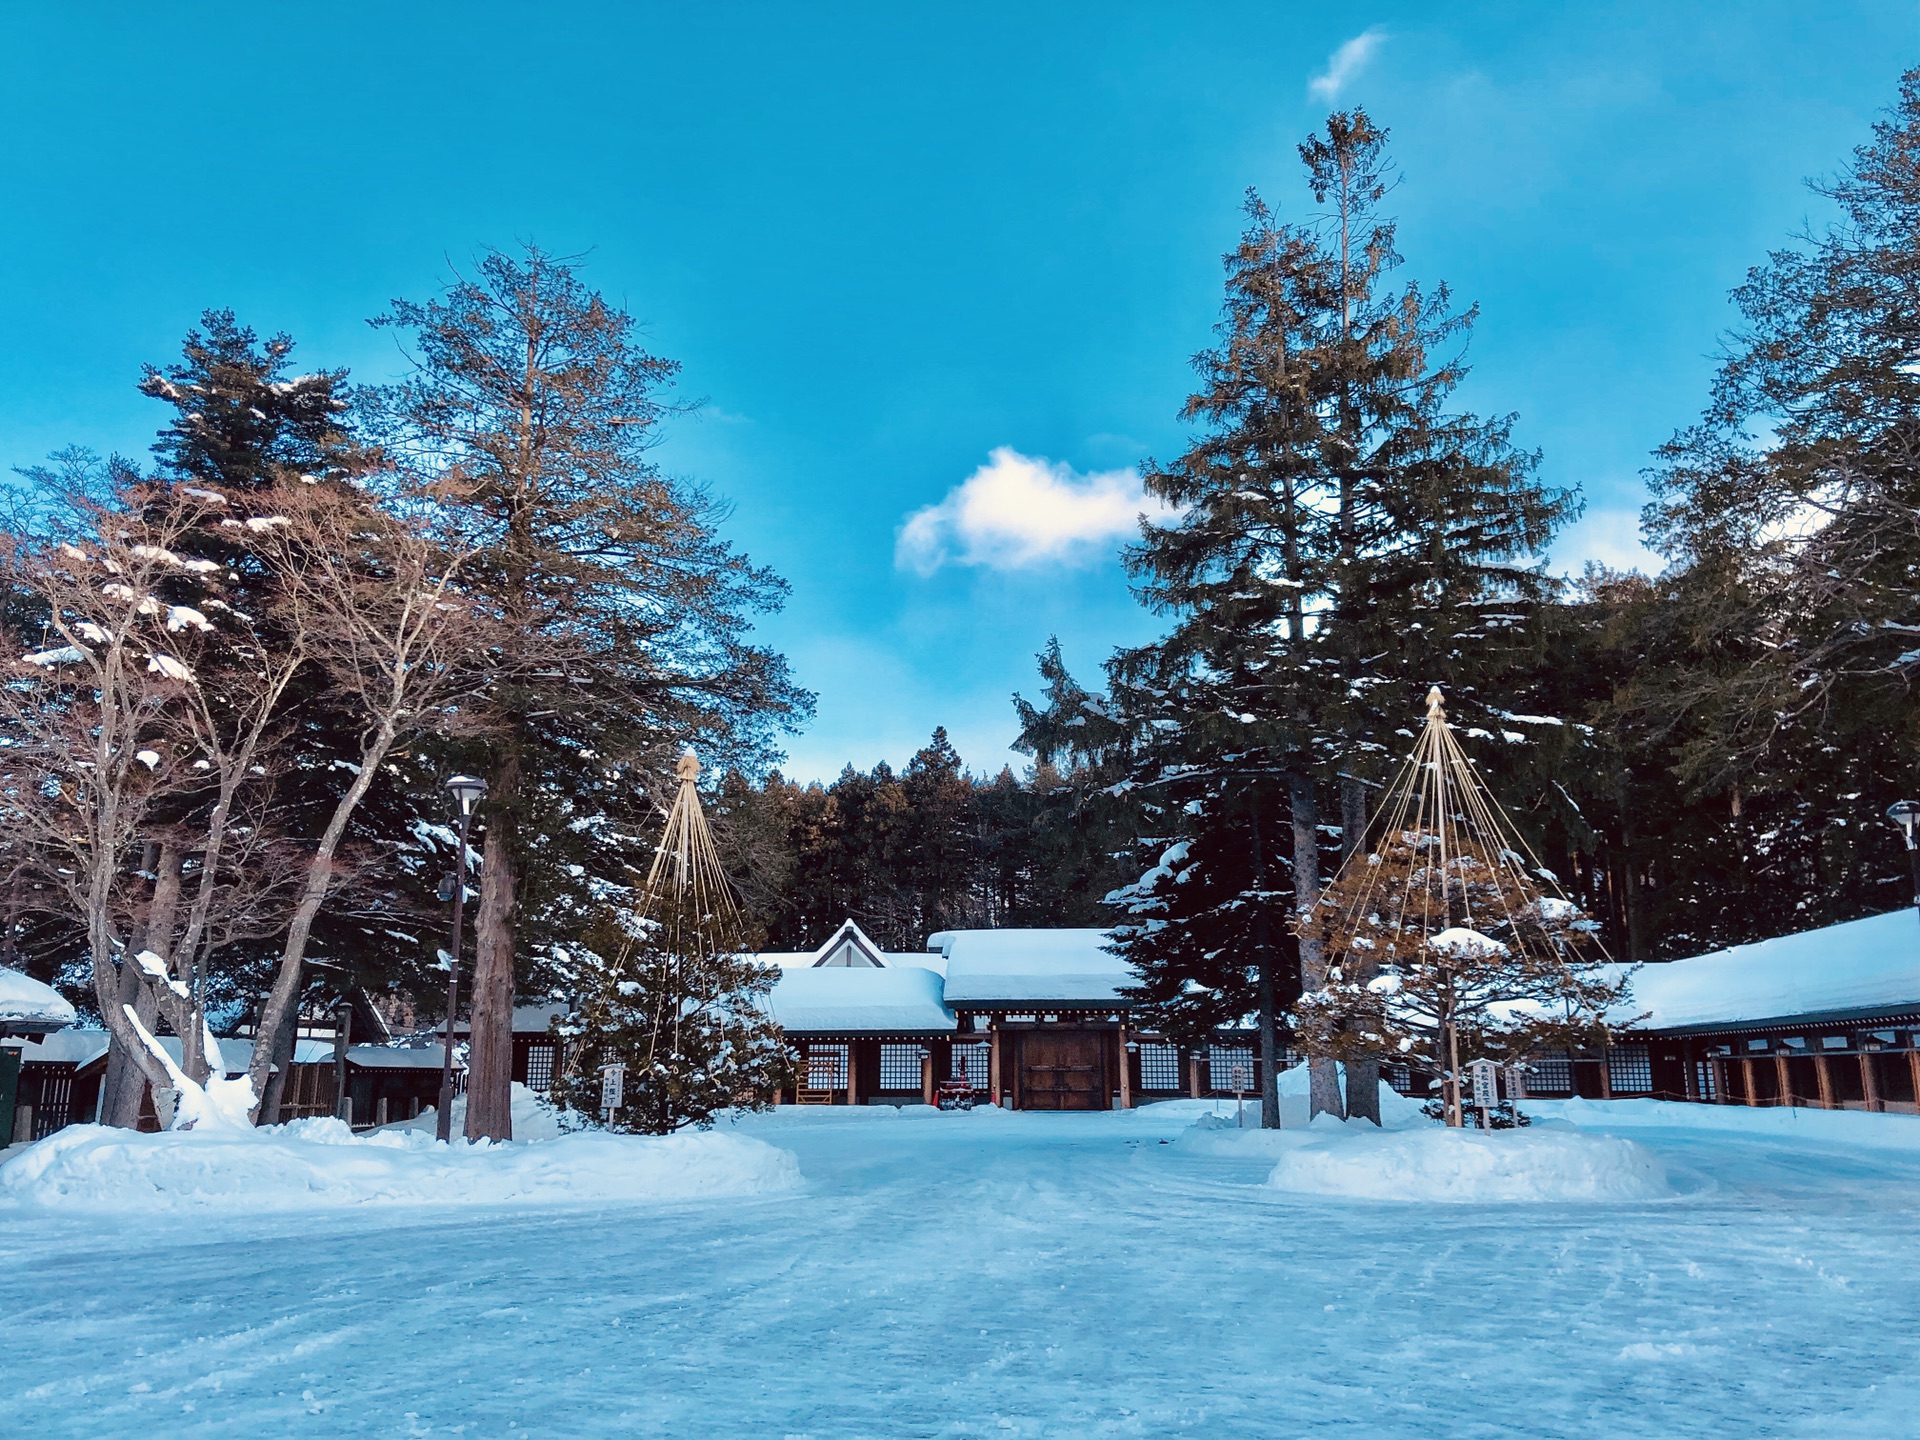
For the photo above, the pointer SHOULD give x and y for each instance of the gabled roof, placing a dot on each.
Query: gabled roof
(860, 1000)
(1032, 968)
(850, 949)
(1841, 971)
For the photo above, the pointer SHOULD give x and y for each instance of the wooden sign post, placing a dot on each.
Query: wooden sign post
(1486, 1090)
(613, 1084)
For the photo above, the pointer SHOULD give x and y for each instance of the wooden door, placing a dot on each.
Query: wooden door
(1064, 1069)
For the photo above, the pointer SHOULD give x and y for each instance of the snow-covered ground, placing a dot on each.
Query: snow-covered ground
(994, 1274)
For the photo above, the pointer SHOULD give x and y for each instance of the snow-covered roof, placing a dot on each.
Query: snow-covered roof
(1862, 965)
(849, 947)
(396, 1057)
(28, 1007)
(82, 1047)
(842, 1000)
(1069, 967)
(527, 1019)
(65, 1047)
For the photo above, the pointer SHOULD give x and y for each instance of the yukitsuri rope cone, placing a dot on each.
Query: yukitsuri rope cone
(686, 879)
(1446, 939)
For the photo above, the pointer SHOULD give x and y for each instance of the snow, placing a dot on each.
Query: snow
(59, 655)
(1860, 965)
(24, 1001)
(1436, 1165)
(903, 1000)
(321, 1164)
(1464, 944)
(1021, 966)
(168, 666)
(993, 1273)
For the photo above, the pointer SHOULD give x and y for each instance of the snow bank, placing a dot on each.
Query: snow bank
(1776, 1122)
(534, 1118)
(1436, 1165)
(311, 1164)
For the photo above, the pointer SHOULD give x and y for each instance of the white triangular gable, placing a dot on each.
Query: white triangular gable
(849, 948)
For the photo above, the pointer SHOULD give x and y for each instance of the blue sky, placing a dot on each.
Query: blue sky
(936, 272)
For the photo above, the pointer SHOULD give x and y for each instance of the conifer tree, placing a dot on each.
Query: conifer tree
(532, 407)
(1342, 536)
(1447, 942)
(1789, 515)
(674, 997)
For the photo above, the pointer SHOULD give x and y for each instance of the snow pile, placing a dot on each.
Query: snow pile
(312, 1164)
(534, 1118)
(1436, 1165)
(24, 1000)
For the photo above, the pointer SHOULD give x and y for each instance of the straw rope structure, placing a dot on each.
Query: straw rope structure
(1450, 896)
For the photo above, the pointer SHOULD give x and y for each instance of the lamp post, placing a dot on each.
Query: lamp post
(467, 792)
(1906, 814)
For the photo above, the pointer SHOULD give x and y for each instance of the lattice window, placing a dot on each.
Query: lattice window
(971, 1063)
(1399, 1078)
(826, 1067)
(1552, 1076)
(1159, 1067)
(900, 1067)
(540, 1068)
(1703, 1080)
(1630, 1068)
(1223, 1061)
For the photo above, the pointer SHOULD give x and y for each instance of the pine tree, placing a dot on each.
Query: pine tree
(1342, 536)
(676, 999)
(1447, 942)
(1789, 513)
(532, 406)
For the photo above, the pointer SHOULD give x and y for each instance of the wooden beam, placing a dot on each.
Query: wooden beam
(993, 1061)
(1823, 1078)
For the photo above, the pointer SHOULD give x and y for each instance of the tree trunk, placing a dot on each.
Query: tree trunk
(1263, 962)
(279, 1051)
(1363, 1076)
(125, 1083)
(490, 1049)
(1323, 1074)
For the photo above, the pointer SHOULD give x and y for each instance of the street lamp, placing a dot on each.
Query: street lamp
(1906, 814)
(467, 792)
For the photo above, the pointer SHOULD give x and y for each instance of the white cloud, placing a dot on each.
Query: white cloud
(1022, 510)
(1611, 537)
(1345, 64)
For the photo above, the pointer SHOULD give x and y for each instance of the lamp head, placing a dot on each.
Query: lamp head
(1905, 814)
(467, 791)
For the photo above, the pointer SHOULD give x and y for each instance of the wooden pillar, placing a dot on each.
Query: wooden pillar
(853, 1072)
(1783, 1079)
(1913, 1067)
(1193, 1075)
(926, 1077)
(1869, 1082)
(993, 1062)
(1718, 1069)
(1606, 1076)
(1823, 1077)
(1126, 1079)
(1746, 1067)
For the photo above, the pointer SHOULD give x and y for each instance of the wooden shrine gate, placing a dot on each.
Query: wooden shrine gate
(1063, 1069)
